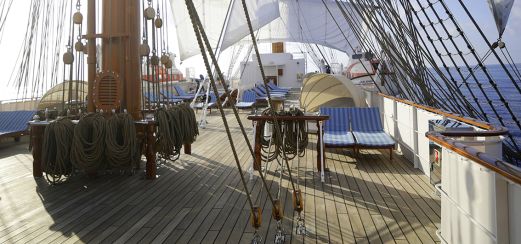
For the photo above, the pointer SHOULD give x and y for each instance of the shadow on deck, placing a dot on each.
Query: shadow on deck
(199, 198)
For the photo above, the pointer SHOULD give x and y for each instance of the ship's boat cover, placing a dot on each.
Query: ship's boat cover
(324, 90)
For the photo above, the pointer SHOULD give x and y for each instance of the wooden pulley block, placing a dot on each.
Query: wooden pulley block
(298, 202)
(164, 58)
(107, 91)
(277, 210)
(77, 18)
(150, 13)
(144, 49)
(68, 57)
(256, 217)
(154, 60)
(158, 22)
(169, 64)
(78, 46)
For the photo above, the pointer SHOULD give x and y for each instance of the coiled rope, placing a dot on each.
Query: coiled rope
(176, 126)
(88, 145)
(121, 142)
(292, 131)
(57, 142)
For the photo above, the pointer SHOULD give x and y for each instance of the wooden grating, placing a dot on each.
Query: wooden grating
(107, 91)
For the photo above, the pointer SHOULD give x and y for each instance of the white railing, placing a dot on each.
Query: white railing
(480, 195)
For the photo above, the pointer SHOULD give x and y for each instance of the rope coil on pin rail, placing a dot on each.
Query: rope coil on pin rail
(88, 144)
(56, 148)
(176, 126)
(121, 141)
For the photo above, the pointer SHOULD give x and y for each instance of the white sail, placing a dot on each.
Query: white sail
(261, 12)
(308, 21)
(501, 11)
(212, 14)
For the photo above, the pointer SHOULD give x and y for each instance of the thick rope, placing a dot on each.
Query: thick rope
(56, 148)
(121, 140)
(88, 145)
(177, 125)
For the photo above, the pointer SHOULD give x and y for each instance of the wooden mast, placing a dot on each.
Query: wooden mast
(91, 53)
(121, 38)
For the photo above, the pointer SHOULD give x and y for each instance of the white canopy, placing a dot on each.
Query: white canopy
(261, 12)
(309, 21)
(212, 14)
(305, 21)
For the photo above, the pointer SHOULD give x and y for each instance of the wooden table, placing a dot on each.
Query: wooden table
(260, 120)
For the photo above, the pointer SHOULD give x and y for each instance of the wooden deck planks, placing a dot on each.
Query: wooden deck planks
(200, 199)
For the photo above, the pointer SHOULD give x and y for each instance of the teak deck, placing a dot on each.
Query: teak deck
(199, 199)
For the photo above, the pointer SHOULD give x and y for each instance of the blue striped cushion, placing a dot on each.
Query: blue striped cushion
(244, 105)
(338, 138)
(374, 139)
(14, 121)
(180, 91)
(248, 96)
(338, 119)
(365, 119)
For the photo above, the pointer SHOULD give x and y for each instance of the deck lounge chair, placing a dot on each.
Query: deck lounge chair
(261, 94)
(275, 88)
(212, 102)
(248, 99)
(182, 93)
(336, 129)
(170, 96)
(367, 129)
(14, 123)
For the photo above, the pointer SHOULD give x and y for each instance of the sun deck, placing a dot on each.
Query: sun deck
(199, 198)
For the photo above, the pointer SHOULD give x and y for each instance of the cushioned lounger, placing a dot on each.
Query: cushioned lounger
(336, 129)
(247, 99)
(276, 88)
(14, 123)
(212, 101)
(368, 131)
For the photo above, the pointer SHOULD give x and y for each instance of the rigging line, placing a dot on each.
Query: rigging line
(511, 62)
(384, 42)
(265, 81)
(322, 54)
(482, 112)
(489, 45)
(196, 19)
(198, 31)
(4, 13)
(422, 50)
(429, 57)
(349, 43)
(485, 69)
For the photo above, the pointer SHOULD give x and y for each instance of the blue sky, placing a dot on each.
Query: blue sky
(13, 36)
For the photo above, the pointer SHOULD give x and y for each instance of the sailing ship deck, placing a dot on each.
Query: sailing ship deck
(199, 198)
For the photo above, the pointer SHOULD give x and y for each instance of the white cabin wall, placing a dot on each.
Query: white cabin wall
(272, 62)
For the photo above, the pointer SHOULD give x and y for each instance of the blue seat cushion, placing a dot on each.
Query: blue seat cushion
(373, 139)
(244, 104)
(365, 119)
(338, 119)
(339, 139)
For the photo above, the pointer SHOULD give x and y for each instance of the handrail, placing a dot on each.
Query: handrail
(444, 139)
(489, 129)
(501, 167)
